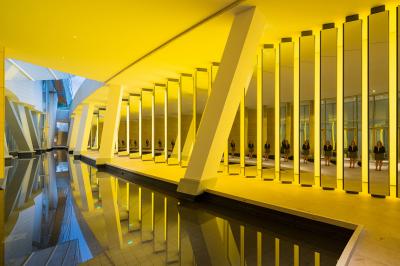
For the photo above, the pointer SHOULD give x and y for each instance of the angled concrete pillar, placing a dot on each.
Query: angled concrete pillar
(85, 125)
(110, 126)
(234, 74)
(74, 132)
(32, 128)
(19, 131)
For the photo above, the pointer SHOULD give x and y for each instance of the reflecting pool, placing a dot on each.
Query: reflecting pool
(53, 199)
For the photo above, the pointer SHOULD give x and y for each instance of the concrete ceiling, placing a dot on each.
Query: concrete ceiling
(98, 39)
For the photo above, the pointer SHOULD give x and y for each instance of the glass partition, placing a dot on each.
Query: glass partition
(147, 128)
(187, 125)
(328, 107)
(286, 89)
(250, 125)
(173, 134)
(134, 111)
(160, 96)
(123, 130)
(268, 121)
(378, 105)
(352, 88)
(306, 114)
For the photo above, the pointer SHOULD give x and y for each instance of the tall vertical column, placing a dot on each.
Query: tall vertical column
(51, 118)
(317, 106)
(339, 106)
(2, 145)
(84, 129)
(110, 126)
(296, 111)
(259, 112)
(393, 94)
(277, 151)
(234, 74)
(243, 135)
(74, 131)
(71, 126)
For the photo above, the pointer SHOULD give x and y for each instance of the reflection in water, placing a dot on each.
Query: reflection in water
(39, 212)
(157, 228)
(118, 222)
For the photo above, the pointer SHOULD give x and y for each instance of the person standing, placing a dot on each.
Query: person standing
(233, 147)
(328, 152)
(267, 150)
(353, 153)
(305, 150)
(250, 147)
(379, 151)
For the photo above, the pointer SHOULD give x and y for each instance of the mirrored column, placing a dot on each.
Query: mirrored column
(306, 112)
(123, 130)
(352, 112)
(268, 117)
(173, 132)
(286, 89)
(250, 124)
(147, 128)
(160, 116)
(378, 102)
(328, 105)
(134, 135)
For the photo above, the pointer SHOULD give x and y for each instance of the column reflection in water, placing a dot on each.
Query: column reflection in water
(173, 134)
(147, 129)
(134, 111)
(160, 115)
(378, 104)
(286, 87)
(166, 231)
(306, 127)
(187, 126)
(250, 129)
(352, 84)
(328, 106)
(268, 118)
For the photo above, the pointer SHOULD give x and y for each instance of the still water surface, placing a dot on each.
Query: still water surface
(54, 199)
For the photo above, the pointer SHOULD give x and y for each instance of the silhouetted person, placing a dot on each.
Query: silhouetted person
(250, 147)
(147, 143)
(285, 150)
(159, 144)
(379, 151)
(267, 150)
(353, 153)
(328, 153)
(305, 150)
(233, 147)
(172, 144)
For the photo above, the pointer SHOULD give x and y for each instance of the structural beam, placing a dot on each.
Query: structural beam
(234, 74)
(21, 136)
(111, 123)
